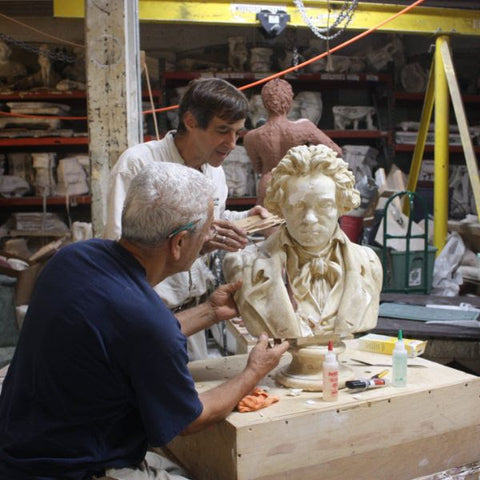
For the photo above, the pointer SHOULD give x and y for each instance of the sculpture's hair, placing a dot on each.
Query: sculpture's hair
(277, 96)
(307, 160)
(206, 98)
(162, 198)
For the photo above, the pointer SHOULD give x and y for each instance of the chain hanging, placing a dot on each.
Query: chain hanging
(52, 55)
(345, 14)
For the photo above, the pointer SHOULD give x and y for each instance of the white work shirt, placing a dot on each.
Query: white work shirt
(177, 289)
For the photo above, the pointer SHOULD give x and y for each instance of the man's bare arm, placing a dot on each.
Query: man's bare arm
(220, 401)
(218, 307)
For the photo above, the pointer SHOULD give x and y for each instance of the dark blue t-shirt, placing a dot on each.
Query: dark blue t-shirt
(99, 372)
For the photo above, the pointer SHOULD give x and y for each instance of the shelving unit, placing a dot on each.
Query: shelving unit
(38, 201)
(334, 82)
(408, 107)
(62, 143)
(416, 99)
(58, 144)
(407, 147)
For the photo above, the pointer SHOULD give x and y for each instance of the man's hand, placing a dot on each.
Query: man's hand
(263, 358)
(220, 401)
(222, 303)
(225, 236)
(228, 236)
(259, 210)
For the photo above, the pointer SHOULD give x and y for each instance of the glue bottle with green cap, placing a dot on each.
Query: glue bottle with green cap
(399, 362)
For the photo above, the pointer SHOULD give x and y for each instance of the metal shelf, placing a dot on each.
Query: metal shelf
(38, 201)
(345, 134)
(42, 141)
(408, 147)
(241, 201)
(419, 97)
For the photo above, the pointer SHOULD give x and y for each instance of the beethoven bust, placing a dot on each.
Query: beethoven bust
(308, 279)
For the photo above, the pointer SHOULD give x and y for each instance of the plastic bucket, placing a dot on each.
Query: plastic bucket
(352, 226)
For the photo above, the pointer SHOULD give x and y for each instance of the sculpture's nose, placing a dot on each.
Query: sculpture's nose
(310, 216)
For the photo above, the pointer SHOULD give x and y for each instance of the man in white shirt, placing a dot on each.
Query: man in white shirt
(212, 114)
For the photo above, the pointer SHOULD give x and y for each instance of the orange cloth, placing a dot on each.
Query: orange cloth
(258, 399)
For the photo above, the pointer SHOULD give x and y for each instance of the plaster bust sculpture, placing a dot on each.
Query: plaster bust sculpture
(311, 280)
(237, 53)
(266, 145)
(238, 173)
(307, 105)
(9, 70)
(345, 116)
(45, 77)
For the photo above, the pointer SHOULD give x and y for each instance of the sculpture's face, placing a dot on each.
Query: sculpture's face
(310, 210)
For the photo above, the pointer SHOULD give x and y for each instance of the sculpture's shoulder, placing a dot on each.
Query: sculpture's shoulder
(264, 255)
(365, 254)
(367, 262)
(239, 259)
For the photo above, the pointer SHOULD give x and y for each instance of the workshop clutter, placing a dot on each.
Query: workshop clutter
(44, 174)
(384, 344)
(25, 270)
(352, 226)
(404, 271)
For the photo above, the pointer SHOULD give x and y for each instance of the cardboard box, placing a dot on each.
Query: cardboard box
(383, 344)
(26, 278)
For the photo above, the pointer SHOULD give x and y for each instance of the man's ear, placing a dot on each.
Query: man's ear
(177, 244)
(189, 120)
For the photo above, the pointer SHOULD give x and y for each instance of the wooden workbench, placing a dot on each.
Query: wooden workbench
(387, 433)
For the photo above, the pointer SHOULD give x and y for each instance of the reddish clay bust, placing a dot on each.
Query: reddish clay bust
(268, 144)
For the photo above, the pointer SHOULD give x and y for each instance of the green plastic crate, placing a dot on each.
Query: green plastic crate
(394, 272)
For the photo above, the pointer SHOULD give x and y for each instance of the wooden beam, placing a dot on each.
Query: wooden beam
(114, 102)
(420, 20)
(459, 110)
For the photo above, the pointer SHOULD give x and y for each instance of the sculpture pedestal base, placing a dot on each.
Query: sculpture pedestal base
(305, 370)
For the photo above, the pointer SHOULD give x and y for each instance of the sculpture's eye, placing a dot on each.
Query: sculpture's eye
(326, 204)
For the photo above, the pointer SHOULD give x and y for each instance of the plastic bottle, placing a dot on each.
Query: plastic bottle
(330, 375)
(399, 362)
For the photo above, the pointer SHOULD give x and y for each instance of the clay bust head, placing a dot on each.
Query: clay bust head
(277, 96)
(311, 188)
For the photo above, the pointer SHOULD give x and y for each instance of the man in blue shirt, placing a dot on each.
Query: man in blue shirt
(100, 371)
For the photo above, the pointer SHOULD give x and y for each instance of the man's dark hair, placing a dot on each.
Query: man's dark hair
(206, 98)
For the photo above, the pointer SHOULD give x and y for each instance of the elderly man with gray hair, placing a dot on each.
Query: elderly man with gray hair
(100, 371)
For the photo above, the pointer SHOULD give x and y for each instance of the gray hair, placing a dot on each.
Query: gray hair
(163, 198)
(307, 160)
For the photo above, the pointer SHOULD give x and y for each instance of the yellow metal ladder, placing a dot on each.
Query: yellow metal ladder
(442, 75)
